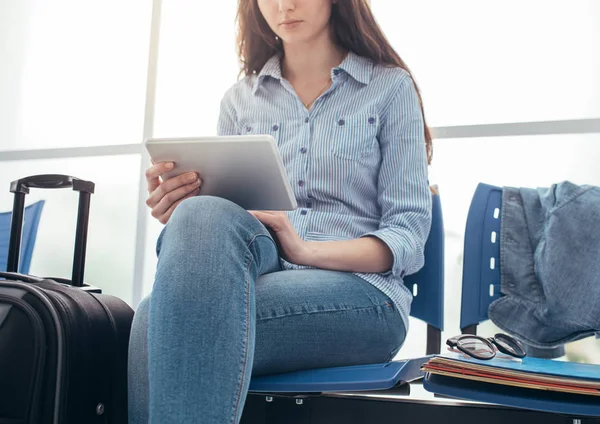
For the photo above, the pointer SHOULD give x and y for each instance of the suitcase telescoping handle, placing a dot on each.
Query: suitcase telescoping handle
(21, 187)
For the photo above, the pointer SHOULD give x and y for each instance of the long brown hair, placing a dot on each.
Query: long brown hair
(354, 28)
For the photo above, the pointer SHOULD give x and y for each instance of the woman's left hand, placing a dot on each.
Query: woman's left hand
(292, 247)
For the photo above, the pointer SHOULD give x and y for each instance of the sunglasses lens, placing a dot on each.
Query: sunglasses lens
(510, 346)
(452, 341)
(479, 348)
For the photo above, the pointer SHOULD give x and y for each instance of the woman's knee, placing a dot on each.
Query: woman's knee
(208, 209)
(209, 219)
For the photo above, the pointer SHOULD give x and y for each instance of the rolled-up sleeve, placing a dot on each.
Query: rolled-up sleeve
(403, 189)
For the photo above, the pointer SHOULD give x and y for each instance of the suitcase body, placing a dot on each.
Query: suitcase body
(63, 344)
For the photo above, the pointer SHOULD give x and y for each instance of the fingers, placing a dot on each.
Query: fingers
(166, 195)
(257, 214)
(154, 172)
(164, 203)
(172, 184)
(164, 218)
(270, 220)
(272, 213)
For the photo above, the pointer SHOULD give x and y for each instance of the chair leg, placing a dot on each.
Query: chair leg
(471, 329)
(434, 340)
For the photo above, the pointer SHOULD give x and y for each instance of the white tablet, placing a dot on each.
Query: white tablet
(246, 170)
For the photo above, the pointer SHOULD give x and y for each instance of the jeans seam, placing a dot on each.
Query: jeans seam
(255, 236)
(385, 307)
(247, 335)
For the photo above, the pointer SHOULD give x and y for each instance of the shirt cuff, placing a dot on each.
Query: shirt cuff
(406, 253)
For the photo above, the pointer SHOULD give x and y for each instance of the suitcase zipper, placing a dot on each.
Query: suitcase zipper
(59, 339)
(39, 343)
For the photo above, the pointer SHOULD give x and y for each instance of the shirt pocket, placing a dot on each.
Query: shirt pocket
(354, 135)
(262, 128)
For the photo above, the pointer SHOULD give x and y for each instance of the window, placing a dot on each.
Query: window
(112, 227)
(197, 64)
(73, 73)
(529, 161)
(511, 62)
(479, 62)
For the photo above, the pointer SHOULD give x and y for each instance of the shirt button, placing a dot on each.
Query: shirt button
(303, 150)
(341, 122)
(275, 127)
(248, 129)
(371, 120)
(309, 205)
(336, 72)
(303, 212)
(301, 183)
(306, 120)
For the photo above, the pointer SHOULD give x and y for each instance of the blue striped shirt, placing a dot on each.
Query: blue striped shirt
(356, 160)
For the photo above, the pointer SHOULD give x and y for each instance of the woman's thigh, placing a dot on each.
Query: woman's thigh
(315, 318)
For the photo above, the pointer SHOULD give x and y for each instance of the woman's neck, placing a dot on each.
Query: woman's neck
(311, 61)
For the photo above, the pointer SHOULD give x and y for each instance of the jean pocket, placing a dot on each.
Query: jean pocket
(354, 135)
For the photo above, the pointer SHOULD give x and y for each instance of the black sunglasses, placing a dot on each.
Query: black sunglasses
(485, 348)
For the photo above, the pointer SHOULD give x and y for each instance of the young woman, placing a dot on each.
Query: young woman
(240, 293)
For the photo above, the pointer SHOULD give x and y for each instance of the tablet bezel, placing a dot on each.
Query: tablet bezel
(182, 149)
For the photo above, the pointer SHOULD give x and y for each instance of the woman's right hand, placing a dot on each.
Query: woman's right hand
(164, 196)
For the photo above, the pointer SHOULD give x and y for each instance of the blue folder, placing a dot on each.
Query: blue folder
(534, 399)
(535, 365)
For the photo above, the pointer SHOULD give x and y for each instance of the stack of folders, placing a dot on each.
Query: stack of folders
(530, 373)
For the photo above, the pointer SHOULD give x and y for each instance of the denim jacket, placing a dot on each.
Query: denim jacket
(550, 264)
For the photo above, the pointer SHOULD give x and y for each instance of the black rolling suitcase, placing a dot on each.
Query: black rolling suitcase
(63, 345)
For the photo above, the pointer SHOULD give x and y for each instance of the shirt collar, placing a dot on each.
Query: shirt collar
(358, 67)
(271, 69)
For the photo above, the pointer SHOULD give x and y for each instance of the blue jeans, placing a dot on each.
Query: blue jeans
(221, 310)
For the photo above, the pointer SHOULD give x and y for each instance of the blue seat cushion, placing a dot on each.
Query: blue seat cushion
(342, 379)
